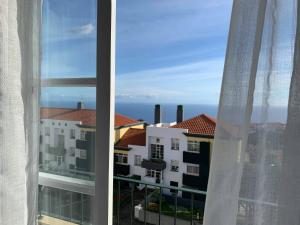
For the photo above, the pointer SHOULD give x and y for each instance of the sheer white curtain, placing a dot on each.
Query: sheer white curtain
(255, 168)
(19, 72)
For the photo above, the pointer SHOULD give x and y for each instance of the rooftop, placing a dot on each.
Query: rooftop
(132, 137)
(87, 117)
(199, 125)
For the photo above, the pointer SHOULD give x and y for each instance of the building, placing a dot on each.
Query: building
(67, 140)
(173, 154)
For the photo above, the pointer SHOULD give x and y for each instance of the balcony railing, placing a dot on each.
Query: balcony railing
(140, 202)
(59, 151)
(191, 157)
(154, 164)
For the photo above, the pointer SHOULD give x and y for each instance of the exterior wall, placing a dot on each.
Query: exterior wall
(63, 128)
(137, 150)
(121, 131)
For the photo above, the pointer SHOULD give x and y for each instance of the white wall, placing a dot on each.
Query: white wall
(63, 127)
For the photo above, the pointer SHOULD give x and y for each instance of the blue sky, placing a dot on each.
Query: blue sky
(168, 51)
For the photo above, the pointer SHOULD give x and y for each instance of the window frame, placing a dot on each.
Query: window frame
(139, 159)
(105, 109)
(175, 144)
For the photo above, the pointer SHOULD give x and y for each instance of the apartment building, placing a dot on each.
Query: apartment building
(173, 154)
(67, 139)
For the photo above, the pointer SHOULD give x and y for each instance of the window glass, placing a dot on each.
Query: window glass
(174, 143)
(192, 170)
(67, 106)
(137, 160)
(194, 146)
(174, 165)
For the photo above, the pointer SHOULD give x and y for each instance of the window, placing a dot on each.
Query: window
(47, 131)
(137, 160)
(59, 160)
(82, 135)
(174, 184)
(194, 146)
(72, 133)
(174, 143)
(72, 151)
(153, 173)
(121, 158)
(157, 151)
(47, 148)
(174, 165)
(82, 154)
(192, 170)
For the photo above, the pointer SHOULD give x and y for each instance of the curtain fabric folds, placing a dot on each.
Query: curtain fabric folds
(255, 167)
(19, 87)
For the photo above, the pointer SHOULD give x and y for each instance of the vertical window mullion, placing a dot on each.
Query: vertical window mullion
(105, 97)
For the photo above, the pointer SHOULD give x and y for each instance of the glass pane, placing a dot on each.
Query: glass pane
(68, 114)
(169, 64)
(69, 38)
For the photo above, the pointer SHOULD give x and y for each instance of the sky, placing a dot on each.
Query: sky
(167, 51)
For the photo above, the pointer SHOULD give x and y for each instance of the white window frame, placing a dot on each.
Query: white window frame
(105, 109)
(174, 166)
(137, 160)
(121, 158)
(47, 131)
(195, 146)
(83, 135)
(192, 169)
(175, 143)
(158, 152)
(72, 134)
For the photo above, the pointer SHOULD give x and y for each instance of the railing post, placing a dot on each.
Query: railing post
(192, 208)
(145, 205)
(160, 201)
(119, 202)
(132, 206)
(175, 216)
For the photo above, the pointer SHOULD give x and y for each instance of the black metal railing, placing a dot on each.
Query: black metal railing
(139, 202)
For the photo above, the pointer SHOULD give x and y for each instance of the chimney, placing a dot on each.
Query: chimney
(80, 105)
(179, 117)
(157, 114)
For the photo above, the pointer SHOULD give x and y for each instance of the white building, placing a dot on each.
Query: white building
(176, 154)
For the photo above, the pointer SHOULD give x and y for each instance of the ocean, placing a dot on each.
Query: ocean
(145, 111)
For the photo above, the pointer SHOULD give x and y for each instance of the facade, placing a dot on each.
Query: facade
(67, 139)
(174, 154)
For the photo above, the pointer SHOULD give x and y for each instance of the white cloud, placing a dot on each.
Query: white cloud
(83, 30)
(197, 82)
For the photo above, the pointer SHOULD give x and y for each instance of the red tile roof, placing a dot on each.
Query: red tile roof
(86, 116)
(133, 136)
(201, 125)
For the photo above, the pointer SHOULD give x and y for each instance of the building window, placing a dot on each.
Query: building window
(82, 154)
(72, 151)
(47, 148)
(121, 158)
(175, 144)
(82, 135)
(153, 173)
(157, 151)
(173, 184)
(137, 160)
(174, 165)
(59, 159)
(47, 131)
(192, 170)
(72, 133)
(194, 146)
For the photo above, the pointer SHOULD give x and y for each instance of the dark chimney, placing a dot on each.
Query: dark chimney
(80, 105)
(179, 118)
(157, 114)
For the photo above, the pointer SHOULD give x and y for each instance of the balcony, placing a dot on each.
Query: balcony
(121, 169)
(59, 151)
(81, 144)
(191, 157)
(154, 164)
(191, 181)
